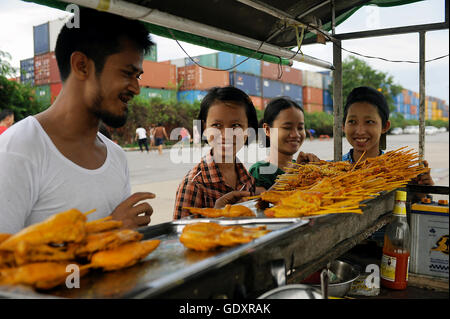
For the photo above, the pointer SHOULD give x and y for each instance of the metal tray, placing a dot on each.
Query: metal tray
(168, 266)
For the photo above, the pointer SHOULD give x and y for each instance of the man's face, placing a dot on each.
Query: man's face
(116, 85)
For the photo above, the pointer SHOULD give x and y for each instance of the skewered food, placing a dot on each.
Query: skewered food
(339, 187)
(123, 256)
(103, 224)
(208, 236)
(227, 211)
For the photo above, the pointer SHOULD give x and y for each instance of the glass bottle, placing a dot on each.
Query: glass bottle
(396, 249)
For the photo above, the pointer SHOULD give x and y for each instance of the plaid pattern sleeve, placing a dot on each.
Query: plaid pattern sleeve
(188, 195)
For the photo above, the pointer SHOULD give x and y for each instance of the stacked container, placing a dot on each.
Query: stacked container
(191, 96)
(27, 71)
(248, 83)
(312, 91)
(160, 75)
(194, 77)
(163, 94)
(282, 73)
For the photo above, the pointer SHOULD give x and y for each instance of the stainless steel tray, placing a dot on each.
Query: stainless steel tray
(171, 264)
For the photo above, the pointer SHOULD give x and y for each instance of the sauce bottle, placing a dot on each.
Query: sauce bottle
(396, 249)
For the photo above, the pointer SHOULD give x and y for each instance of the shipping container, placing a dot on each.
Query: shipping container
(293, 91)
(149, 93)
(326, 80)
(413, 110)
(250, 84)
(312, 95)
(194, 77)
(226, 61)
(327, 98)
(328, 109)
(45, 36)
(207, 60)
(191, 96)
(43, 94)
(312, 79)
(55, 88)
(406, 96)
(46, 69)
(312, 107)
(271, 88)
(179, 63)
(27, 71)
(158, 75)
(281, 73)
(257, 102)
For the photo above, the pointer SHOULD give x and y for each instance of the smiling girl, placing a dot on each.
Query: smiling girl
(284, 126)
(227, 116)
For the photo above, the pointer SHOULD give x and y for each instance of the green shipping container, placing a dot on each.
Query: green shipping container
(152, 55)
(42, 93)
(207, 60)
(148, 93)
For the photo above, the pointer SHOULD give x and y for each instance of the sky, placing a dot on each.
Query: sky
(17, 19)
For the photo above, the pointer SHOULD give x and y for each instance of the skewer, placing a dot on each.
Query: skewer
(89, 212)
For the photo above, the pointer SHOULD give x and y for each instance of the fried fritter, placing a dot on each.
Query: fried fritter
(228, 211)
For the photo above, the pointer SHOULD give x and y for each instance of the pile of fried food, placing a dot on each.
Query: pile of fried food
(39, 254)
(228, 211)
(204, 236)
(338, 187)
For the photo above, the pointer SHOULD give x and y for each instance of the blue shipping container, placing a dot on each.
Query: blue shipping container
(250, 84)
(226, 60)
(250, 66)
(326, 80)
(327, 98)
(27, 71)
(328, 109)
(41, 39)
(191, 96)
(272, 88)
(295, 92)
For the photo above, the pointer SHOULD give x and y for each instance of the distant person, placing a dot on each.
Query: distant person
(160, 134)
(6, 119)
(56, 160)
(151, 134)
(141, 136)
(196, 136)
(185, 136)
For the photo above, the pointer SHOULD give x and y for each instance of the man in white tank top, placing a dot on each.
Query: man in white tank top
(57, 160)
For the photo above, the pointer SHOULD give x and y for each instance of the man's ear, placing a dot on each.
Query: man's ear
(79, 64)
(386, 127)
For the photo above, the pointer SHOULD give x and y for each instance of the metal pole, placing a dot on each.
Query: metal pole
(421, 94)
(337, 100)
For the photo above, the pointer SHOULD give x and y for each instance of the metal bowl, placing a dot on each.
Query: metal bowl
(292, 292)
(345, 273)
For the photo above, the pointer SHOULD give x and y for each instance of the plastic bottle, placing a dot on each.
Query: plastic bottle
(396, 249)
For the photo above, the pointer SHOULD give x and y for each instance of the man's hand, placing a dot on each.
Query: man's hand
(128, 212)
(307, 158)
(231, 198)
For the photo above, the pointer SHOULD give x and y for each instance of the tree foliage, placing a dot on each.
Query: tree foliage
(356, 72)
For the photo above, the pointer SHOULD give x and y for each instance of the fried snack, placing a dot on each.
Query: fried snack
(7, 259)
(228, 211)
(208, 236)
(103, 224)
(107, 240)
(201, 236)
(123, 256)
(4, 237)
(26, 253)
(339, 187)
(68, 226)
(45, 275)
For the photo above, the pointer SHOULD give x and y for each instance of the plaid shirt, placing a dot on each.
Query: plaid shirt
(204, 184)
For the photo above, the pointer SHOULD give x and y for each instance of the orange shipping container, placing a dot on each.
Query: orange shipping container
(46, 69)
(312, 107)
(257, 102)
(312, 95)
(194, 77)
(158, 75)
(289, 75)
(413, 109)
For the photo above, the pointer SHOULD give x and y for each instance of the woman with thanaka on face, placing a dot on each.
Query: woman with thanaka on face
(227, 117)
(366, 121)
(284, 126)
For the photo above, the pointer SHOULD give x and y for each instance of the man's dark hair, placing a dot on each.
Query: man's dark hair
(229, 94)
(5, 113)
(100, 34)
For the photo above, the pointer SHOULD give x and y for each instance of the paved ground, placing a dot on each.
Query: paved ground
(161, 174)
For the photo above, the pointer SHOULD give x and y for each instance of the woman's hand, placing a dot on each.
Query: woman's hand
(307, 158)
(231, 198)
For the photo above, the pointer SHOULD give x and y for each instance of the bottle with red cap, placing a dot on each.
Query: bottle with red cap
(396, 249)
